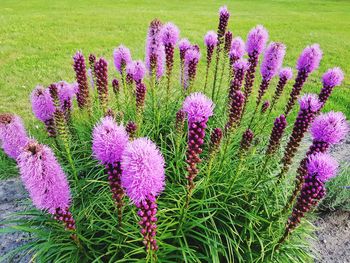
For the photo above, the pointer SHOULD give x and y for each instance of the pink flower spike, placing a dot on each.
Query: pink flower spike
(323, 166)
(143, 170)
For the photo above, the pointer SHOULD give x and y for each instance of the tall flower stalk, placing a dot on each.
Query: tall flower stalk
(122, 58)
(225, 58)
(92, 60)
(13, 136)
(284, 75)
(46, 183)
(308, 61)
(101, 72)
(83, 96)
(66, 93)
(108, 143)
(224, 16)
(140, 103)
(183, 45)
(198, 108)
(256, 41)
(332, 78)
(236, 52)
(327, 130)
(309, 106)
(320, 168)
(143, 179)
(170, 36)
(279, 126)
(210, 41)
(192, 57)
(116, 91)
(155, 52)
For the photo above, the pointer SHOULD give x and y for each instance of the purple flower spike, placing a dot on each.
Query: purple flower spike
(101, 72)
(310, 58)
(13, 135)
(236, 102)
(224, 16)
(66, 93)
(331, 127)
(192, 57)
(320, 168)
(246, 142)
(155, 55)
(122, 58)
(116, 87)
(170, 34)
(198, 108)
(215, 141)
(42, 104)
(276, 135)
(143, 179)
(131, 128)
(238, 68)
(284, 75)
(79, 66)
(43, 177)
(43, 108)
(228, 41)
(256, 40)
(273, 59)
(143, 170)
(184, 44)
(265, 106)
(323, 166)
(211, 39)
(108, 141)
(332, 78)
(308, 61)
(237, 50)
(309, 106)
(138, 70)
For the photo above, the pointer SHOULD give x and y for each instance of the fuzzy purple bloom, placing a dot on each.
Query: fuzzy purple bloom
(309, 102)
(170, 34)
(143, 170)
(122, 58)
(42, 104)
(198, 107)
(333, 77)
(256, 40)
(137, 70)
(273, 59)
(331, 127)
(286, 73)
(323, 166)
(184, 44)
(13, 135)
(66, 93)
(211, 39)
(108, 141)
(43, 177)
(310, 58)
(237, 49)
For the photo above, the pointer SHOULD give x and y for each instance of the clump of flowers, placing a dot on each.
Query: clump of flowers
(143, 178)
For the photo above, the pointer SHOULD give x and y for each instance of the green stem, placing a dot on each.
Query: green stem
(224, 62)
(218, 51)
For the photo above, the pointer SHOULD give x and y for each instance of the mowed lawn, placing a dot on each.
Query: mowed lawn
(39, 37)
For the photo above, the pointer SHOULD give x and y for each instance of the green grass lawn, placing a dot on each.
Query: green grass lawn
(38, 38)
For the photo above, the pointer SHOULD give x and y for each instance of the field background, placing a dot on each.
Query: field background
(39, 37)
